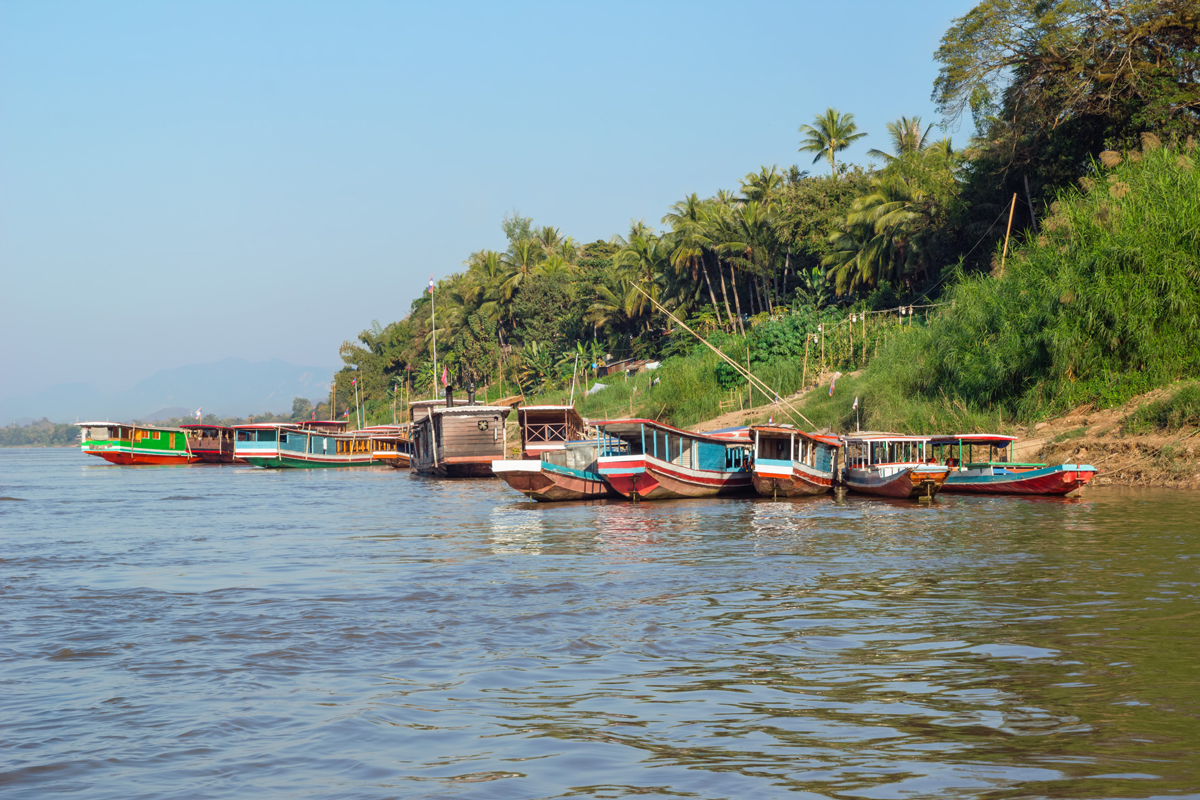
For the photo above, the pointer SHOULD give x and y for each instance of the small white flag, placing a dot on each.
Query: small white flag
(197, 413)
(855, 406)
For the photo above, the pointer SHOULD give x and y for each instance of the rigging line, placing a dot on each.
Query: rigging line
(767, 390)
(925, 293)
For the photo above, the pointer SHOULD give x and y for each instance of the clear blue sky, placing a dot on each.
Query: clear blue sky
(181, 182)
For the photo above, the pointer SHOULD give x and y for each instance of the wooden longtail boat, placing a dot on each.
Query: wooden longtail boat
(212, 444)
(647, 460)
(457, 441)
(999, 474)
(568, 473)
(119, 443)
(891, 465)
(556, 464)
(791, 463)
(305, 445)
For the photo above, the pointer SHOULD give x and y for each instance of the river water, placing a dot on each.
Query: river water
(225, 632)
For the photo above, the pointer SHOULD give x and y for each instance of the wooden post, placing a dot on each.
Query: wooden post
(822, 327)
(804, 373)
(1004, 253)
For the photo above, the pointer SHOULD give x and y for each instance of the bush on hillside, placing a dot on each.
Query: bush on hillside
(1102, 305)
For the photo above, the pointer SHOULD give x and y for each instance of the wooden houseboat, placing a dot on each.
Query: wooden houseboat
(212, 444)
(567, 473)
(457, 441)
(546, 428)
(791, 463)
(305, 445)
(646, 460)
(891, 465)
(997, 473)
(120, 443)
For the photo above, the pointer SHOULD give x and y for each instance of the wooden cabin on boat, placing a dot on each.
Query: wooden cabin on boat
(892, 465)
(648, 460)
(546, 428)
(392, 443)
(790, 463)
(212, 444)
(457, 441)
(982, 463)
(127, 444)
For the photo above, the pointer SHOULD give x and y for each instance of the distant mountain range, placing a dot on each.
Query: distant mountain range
(231, 387)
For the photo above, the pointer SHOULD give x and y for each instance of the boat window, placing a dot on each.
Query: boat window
(266, 436)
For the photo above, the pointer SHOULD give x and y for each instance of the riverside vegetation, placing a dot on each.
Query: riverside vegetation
(1085, 116)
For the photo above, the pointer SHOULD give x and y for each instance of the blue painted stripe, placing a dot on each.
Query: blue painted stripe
(576, 473)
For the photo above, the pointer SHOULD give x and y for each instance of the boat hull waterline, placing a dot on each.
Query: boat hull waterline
(544, 482)
(784, 479)
(643, 477)
(907, 483)
(1056, 480)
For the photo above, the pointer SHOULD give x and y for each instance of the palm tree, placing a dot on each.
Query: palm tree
(686, 219)
(522, 258)
(831, 132)
(907, 138)
(763, 186)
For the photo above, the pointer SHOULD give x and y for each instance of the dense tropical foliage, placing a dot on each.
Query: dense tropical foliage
(761, 269)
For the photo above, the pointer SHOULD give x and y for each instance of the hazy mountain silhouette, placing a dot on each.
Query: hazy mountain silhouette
(230, 387)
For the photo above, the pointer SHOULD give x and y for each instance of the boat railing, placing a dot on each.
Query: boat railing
(548, 432)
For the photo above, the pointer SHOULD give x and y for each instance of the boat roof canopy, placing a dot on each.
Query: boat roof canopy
(201, 426)
(991, 439)
(790, 430)
(504, 411)
(872, 436)
(552, 412)
(633, 427)
(138, 425)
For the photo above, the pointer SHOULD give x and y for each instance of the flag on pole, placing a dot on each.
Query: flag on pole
(855, 406)
(354, 381)
(197, 413)
(832, 383)
(431, 283)
(346, 414)
(445, 376)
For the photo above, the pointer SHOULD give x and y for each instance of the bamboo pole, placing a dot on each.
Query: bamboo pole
(766, 390)
(1004, 253)
(749, 385)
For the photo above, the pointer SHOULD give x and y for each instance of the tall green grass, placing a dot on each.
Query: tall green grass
(1102, 305)
(1178, 410)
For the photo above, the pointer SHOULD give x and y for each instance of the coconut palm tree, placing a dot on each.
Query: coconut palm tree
(521, 260)
(829, 134)
(686, 219)
(907, 138)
